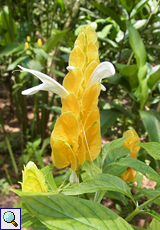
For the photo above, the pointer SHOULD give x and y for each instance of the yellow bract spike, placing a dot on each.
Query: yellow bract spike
(92, 118)
(81, 150)
(89, 70)
(71, 104)
(80, 41)
(129, 175)
(92, 52)
(89, 101)
(33, 179)
(77, 58)
(92, 142)
(91, 34)
(64, 155)
(73, 80)
(66, 129)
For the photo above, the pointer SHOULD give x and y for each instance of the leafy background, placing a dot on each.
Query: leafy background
(128, 35)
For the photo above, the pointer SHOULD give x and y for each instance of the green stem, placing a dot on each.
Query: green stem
(139, 208)
(9, 147)
(130, 58)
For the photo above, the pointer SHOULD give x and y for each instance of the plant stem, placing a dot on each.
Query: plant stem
(139, 208)
(9, 147)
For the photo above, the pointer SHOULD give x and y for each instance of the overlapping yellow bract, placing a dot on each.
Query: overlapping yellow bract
(131, 143)
(33, 179)
(76, 136)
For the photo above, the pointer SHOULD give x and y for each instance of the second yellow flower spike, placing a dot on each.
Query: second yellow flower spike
(131, 143)
(33, 179)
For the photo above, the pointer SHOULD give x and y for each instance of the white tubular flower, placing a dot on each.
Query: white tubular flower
(69, 68)
(48, 84)
(103, 70)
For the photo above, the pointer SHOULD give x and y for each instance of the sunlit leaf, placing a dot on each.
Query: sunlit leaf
(153, 148)
(16, 62)
(66, 212)
(119, 167)
(151, 121)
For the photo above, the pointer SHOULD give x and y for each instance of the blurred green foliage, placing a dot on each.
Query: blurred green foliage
(128, 34)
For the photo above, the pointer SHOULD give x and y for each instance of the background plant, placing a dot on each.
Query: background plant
(128, 34)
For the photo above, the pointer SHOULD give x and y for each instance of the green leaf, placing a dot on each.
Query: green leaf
(49, 180)
(151, 121)
(112, 43)
(15, 63)
(107, 118)
(10, 49)
(154, 225)
(107, 11)
(115, 154)
(127, 4)
(153, 148)
(53, 40)
(117, 79)
(117, 168)
(66, 212)
(154, 76)
(141, 56)
(143, 85)
(105, 31)
(107, 148)
(99, 183)
(130, 74)
(150, 193)
(138, 7)
(122, 110)
(57, 72)
(35, 64)
(91, 168)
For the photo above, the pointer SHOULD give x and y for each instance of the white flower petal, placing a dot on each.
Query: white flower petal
(103, 88)
(49, 84)
(69, 68)
(103, 70)
(33, 90)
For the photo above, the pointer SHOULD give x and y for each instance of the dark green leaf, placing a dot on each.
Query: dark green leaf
(127, 4)
(130, 74)
(117, 79)
(107, 11)
(53, 40)
(107, 117)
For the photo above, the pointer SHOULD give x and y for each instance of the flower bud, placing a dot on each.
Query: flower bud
(39, 42)
(33, 179)
(26, 45)
(131, 143)
(28, 38)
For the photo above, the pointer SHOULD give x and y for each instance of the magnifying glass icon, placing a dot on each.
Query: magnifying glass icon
(9, 217)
